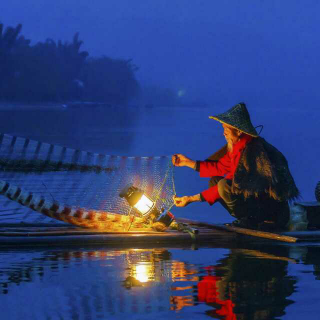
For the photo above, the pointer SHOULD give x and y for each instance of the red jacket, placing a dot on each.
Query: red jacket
(224, 167)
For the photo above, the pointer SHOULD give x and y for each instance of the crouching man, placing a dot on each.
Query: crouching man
(248, 176)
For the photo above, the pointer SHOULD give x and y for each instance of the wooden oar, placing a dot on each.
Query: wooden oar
(260, 234)
(247, 232)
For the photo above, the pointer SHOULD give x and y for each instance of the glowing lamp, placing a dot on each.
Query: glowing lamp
(145, 206)
(137, 199)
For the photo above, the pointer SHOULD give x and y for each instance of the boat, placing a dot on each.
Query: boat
(190, 232)
(200, 234)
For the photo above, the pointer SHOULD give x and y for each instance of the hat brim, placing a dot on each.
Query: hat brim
(217, 119)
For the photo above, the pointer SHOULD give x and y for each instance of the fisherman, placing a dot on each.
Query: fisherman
(248, 176)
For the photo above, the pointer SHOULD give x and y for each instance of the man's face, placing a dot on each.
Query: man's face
(232, 135)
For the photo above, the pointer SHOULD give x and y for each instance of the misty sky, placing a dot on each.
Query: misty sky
(223, 52)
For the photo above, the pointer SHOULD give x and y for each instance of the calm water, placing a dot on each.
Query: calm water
(240, 282)
(279, 282)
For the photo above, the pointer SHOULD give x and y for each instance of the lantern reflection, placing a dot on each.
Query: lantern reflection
(143, 272)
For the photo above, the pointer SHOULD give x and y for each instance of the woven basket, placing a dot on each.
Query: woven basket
(317, 191)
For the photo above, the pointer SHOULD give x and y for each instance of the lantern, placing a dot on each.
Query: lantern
(137, 199)
(145, 206)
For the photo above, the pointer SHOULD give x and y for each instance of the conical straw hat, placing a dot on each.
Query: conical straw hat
(237, 117)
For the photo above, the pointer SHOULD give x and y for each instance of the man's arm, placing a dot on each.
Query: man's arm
(184, 201)
(206, 168)
(214, 168)
(179, 160)
(210, 195)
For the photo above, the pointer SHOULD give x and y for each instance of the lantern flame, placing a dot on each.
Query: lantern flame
(144, 205)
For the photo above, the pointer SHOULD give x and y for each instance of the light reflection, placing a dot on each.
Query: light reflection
(225, 288)
(142, 272)
(181, 272)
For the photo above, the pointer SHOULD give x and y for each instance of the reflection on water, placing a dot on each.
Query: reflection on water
(243, 283)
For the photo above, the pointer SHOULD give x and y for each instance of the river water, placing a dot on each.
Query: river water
(221, 281)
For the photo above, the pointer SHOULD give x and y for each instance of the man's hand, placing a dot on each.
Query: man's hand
(184, 201)
(179, 160)
(181, 201)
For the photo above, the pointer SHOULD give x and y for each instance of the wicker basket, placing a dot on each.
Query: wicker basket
(317, 191)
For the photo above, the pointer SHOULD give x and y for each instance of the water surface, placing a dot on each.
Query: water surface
(240, 282)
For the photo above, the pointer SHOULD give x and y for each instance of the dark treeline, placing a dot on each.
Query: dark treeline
(57, 72)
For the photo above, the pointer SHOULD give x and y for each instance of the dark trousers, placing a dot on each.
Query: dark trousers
(253, 209)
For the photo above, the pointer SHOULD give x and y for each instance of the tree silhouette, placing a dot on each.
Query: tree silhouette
(55, 71)
(8, 38)
(110, 80)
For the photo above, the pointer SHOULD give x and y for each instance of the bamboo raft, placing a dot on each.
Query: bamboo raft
(103, 228)
(196, 233)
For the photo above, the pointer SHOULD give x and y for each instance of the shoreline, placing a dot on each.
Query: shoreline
(13, 106)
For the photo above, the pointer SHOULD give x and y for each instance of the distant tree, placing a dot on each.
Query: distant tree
(110, 80)
(72, 62)
(55, 71)
(51, 69)
(8, 38)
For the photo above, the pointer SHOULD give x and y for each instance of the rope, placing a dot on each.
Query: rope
(170, 167)
(130, 219)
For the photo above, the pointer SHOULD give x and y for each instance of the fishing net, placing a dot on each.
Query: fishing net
(75, 179)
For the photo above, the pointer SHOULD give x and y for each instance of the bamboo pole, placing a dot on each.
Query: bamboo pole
(247, 232)
(260, 234)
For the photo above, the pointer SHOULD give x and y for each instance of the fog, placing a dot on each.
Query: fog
(218, 52)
